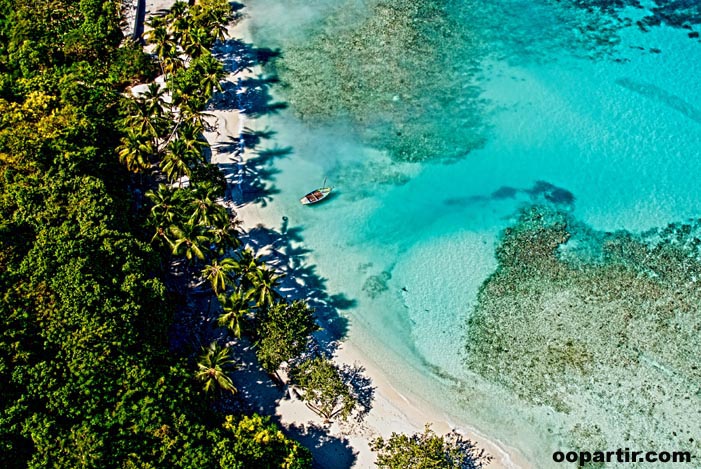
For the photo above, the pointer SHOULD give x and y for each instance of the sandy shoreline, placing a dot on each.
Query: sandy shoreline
(395, 411)
(392, 411)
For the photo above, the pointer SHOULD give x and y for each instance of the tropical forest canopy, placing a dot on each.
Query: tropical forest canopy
(86, 376)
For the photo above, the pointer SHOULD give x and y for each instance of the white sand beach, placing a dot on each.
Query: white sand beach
(393, 410)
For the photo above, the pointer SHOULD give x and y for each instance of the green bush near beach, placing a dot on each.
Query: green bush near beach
(428, 450)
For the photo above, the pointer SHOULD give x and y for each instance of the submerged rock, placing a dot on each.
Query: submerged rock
(375, 285)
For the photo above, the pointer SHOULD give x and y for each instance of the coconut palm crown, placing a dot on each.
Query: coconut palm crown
(213, 366)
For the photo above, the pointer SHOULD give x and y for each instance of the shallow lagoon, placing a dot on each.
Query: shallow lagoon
(552, 104)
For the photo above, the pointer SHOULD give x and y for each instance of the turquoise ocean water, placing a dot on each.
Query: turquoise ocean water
(573, 103)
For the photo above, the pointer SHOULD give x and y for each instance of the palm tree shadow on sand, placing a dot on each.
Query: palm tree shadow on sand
(257, 392)
(284, 251)
(251, 181)
(237, 55)
(250, 95)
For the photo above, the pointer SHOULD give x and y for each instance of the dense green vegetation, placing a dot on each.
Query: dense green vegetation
(324, 390)
(86, 376)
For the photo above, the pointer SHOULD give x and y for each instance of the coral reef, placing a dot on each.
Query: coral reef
(389, 70)
(601, 20)
(610, 339)
(375, 285)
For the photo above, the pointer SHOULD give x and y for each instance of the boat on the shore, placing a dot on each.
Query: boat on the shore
(316, 196)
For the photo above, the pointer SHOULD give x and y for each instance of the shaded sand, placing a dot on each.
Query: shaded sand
(395, 411)
(341, 444)
(157, 7)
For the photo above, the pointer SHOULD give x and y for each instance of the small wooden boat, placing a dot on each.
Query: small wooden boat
(316, 196)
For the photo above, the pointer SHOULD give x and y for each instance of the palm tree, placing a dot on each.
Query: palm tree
(246, 262)
(167, 205)
(211, 72)
(234, 307)
(161, 235)
(213, 366)
(153, 97)
(166, 46)
(190, 96)
(155, 106)
(190, 132)
(177, 10)
(220, 274)
(207, 211)
(264, 282)
(135, 150)
(166, 211)
(142, 119)
(179, 21)
(225, 238)
(190, 109)
(172, 63)
(195, 42)
(178, 160)
(191, 240)
(213, 19)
